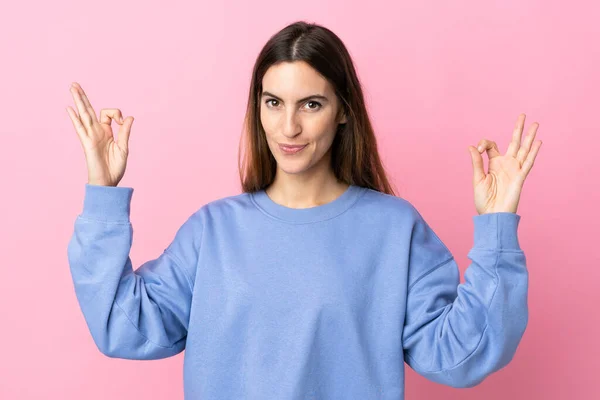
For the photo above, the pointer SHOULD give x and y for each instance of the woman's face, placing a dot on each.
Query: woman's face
(299, 107)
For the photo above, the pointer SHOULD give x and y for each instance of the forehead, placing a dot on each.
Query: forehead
(295, 80)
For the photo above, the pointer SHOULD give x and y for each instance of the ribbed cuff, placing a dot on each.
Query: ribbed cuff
(110, 203)
(496, 231)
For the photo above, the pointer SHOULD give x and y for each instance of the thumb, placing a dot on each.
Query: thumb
(477, 161)
(123, 135)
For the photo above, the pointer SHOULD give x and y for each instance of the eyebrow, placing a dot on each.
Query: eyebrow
(314, 96)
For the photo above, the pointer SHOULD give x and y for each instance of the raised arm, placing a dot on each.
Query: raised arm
(134, 314)
(141, 314)
(457, 334)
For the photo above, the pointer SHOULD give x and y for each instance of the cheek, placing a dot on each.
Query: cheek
(268, 122)
(323, 129)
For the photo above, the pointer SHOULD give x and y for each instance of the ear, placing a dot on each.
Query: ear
(343, 118)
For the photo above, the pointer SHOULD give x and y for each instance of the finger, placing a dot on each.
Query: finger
(526, 147)
(123, 135)
(84, 115)
(477, 161)
(109, 114)
(86, 101)
(528, 164)
(515, 142)
(490, 146)
(79, 128)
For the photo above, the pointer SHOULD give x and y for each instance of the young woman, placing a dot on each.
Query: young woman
(316, 282)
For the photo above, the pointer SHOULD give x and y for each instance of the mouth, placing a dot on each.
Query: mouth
(291, 149)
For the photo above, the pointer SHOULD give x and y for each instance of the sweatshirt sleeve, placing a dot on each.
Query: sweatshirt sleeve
(457, 334)
(141, 314)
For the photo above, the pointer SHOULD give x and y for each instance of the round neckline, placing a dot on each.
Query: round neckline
(307, 215)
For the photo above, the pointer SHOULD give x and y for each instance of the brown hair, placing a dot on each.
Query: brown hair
(354, 156)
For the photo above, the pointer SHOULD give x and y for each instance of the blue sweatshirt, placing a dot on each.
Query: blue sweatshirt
(327, 302)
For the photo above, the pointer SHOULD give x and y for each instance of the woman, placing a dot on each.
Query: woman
(316, 281)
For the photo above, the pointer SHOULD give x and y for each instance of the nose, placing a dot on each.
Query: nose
(291, 124)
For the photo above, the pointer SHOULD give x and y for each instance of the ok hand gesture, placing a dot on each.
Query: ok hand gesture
(499, 190)
(106, 159)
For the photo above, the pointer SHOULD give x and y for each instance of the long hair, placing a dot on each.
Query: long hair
(354, 156)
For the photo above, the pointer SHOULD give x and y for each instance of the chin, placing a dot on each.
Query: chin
(291, 168)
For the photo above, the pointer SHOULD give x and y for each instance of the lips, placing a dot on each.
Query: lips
(291, 149)
(292, 146)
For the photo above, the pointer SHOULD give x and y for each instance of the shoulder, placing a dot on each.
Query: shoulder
(389, 206)
(218, 210)
(223, 206)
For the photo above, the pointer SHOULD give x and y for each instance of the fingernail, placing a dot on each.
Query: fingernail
(480, 148)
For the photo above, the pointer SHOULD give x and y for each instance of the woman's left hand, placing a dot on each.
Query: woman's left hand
(500, 189)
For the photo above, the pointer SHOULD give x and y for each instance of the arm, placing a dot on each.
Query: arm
(141, 314)
(457, 334)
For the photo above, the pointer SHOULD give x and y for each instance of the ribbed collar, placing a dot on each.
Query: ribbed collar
(307, 215)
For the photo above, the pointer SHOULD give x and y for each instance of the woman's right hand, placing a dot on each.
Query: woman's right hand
(106, 158)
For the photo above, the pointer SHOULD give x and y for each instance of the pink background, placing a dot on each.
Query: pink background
(438, 76)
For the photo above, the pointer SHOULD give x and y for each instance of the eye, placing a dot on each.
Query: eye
(314, 102)
(269, 100)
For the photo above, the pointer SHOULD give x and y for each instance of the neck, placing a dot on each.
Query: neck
(301, 191)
